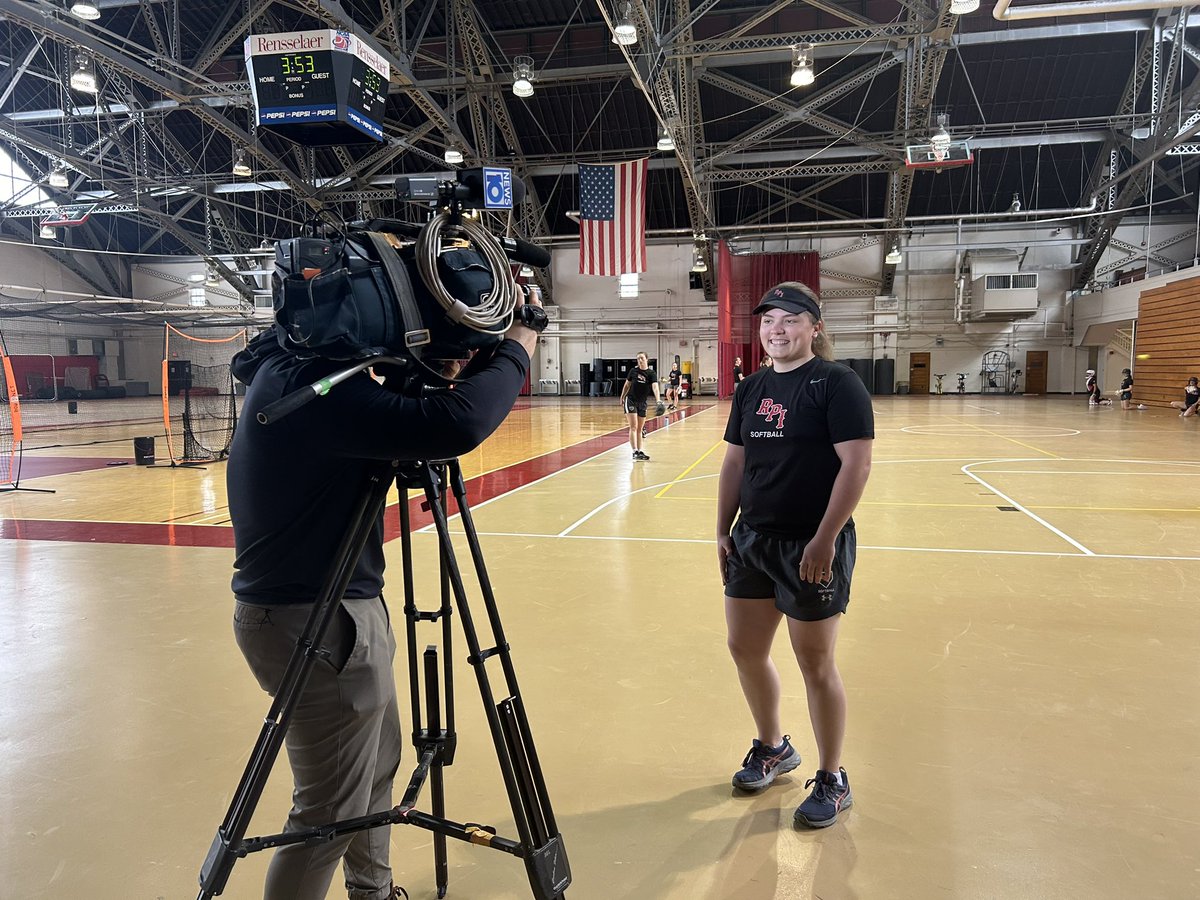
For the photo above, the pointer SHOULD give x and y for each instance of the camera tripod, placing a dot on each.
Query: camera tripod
(962, 382)
(539, 844)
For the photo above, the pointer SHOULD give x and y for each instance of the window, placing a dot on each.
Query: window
(16, 187)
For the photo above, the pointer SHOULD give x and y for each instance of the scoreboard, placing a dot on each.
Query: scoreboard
(317, 87)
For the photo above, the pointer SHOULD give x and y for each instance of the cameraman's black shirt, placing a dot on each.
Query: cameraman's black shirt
(293, 485)
(788, 423)
(641, 383)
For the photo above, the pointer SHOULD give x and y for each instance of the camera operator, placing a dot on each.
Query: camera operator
(293, 487)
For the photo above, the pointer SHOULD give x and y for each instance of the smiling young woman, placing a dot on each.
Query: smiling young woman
(797, 459)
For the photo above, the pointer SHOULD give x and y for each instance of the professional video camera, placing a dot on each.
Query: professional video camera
(426, 293)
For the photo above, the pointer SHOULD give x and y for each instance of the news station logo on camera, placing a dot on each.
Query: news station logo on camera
(497, 188)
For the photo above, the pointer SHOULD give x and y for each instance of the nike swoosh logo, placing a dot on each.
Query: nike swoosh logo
(815, 380)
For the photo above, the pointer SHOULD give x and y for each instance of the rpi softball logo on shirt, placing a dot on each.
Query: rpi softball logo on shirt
(769, 410)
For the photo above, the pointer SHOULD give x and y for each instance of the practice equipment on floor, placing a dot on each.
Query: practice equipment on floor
(199, 406)
(10, 424)
(10, 428)
(538, 842)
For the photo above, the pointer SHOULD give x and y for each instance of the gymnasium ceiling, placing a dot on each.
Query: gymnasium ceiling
(1051, 105)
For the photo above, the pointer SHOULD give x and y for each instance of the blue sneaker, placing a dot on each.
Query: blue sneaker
(828, 798)
(763, 763)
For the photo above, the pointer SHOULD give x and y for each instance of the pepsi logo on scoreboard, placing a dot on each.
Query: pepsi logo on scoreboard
(497, 188)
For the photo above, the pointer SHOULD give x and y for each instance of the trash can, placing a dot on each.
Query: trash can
(143, 451)
(901, 387)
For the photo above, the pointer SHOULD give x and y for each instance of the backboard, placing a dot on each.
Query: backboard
(926, 156)
(75, 214)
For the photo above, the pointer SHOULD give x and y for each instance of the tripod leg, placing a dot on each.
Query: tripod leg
(441, 864)
(544, 854)
(435, 746)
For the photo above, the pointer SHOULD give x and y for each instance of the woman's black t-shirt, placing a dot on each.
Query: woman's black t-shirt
(641, 383)
(788, 423)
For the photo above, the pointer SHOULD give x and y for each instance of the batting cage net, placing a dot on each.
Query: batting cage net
(199, 405)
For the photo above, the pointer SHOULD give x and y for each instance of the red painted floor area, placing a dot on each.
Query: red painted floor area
(479, 490)
(43, 466)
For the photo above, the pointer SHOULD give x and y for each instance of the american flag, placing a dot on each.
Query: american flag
(612, 212)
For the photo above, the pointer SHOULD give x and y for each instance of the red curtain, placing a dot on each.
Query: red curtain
(741, 282)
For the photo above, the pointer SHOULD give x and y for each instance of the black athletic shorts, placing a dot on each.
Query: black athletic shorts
(1126, 395)
(637, 406)
(763, 567)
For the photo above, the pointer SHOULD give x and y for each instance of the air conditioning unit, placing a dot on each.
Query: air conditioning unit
(1007, 295)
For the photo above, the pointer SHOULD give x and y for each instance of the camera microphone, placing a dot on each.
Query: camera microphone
(524, 252)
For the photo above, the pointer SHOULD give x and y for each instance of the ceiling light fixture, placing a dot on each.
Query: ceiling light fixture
(453, 156)
(48, 232)
(940, 139)
(665, 142)
(802, 65)
(86, 10)
(83, 78)
(893, 257)
(698, 263)
(624, 31)
(240, 166)
(522, 76)
(58, 178)
(962, 7)
(212, 279)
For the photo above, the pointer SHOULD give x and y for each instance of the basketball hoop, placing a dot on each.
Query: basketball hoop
(940, 152)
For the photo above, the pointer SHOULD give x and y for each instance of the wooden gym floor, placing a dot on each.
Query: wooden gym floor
(1020, 655)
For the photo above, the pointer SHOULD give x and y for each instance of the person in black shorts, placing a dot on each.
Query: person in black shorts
(1126, 394)
(639, 385)
(673, 386)
(799, 451)
(737, 372)
(1191, 399)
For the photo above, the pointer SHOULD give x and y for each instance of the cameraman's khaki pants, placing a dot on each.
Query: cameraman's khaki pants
(343, 742)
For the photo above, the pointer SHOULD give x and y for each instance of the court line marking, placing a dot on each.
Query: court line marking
(566, 532)
(1019, 443)
(681, 475)
(966, 470)
(480, 505)
(1087, 472)
(711, 542)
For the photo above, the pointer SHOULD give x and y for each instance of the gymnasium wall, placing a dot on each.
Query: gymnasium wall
(669, 317)
(1167, 342)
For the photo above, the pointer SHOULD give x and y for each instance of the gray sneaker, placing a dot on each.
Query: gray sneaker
(763, 764)
(828, 798)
